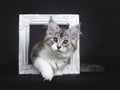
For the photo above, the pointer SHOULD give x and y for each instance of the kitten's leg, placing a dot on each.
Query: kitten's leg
(44, 68)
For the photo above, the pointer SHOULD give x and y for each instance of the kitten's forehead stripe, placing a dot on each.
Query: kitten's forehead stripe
(62, 32)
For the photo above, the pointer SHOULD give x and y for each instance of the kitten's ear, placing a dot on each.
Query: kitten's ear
(52, 26)
(74, 31)
(78, 27)
(51, 20)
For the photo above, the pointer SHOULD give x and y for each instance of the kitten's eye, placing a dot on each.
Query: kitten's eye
(55, 39)
(65, 41)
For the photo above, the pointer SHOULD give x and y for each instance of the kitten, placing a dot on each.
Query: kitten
(52, 54)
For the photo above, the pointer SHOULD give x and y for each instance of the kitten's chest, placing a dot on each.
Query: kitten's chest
(54, 61)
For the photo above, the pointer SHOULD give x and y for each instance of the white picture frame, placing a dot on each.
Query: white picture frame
(25, 20)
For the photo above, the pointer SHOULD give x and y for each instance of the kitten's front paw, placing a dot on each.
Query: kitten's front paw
(47, 75)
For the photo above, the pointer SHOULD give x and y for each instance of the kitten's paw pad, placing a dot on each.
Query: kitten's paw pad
(47, 76)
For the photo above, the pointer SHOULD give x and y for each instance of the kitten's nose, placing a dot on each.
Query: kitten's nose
(58, 47)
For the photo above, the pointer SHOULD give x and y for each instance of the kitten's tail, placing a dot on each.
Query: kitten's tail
(91, 68)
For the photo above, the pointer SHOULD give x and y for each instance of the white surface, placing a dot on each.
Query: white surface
(25, 20)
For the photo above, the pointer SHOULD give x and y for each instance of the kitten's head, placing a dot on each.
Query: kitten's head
(60, 40)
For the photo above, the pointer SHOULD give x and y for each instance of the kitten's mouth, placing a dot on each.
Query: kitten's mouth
(58, 51)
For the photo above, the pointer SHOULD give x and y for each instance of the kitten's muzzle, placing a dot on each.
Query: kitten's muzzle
(58, 51)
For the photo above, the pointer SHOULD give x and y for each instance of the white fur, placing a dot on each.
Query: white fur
(63, 49)
(54, 47)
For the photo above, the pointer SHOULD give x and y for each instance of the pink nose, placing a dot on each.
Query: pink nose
(58, 47)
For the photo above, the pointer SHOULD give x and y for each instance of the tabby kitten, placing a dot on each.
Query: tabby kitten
(53, 54)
